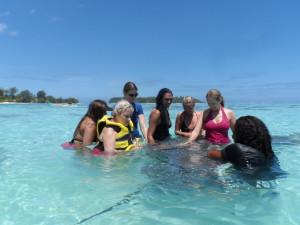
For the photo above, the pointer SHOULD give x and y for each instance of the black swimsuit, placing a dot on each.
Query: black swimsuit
(162, 131)
(74, 139)
(183, 126)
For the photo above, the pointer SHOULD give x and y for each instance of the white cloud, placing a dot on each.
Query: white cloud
(33, 11)
(7, 13)
(3, 26)
(56, 19)
(14, 33)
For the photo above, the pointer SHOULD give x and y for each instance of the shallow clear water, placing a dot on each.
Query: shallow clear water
(41, 183)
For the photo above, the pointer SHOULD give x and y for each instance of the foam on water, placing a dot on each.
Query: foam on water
(43, 184)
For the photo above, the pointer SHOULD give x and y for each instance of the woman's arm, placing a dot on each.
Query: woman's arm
(197, 129)
(232, 119)
(89, 133)
(143, 125)
(202, 131)
(214, 153)
(153, 122)
(109, 139)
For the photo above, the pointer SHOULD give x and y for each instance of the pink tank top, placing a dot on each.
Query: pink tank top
(217, 133)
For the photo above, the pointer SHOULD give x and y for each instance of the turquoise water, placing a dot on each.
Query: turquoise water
(41, 183)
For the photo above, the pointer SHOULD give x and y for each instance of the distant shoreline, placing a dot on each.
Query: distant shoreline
(24, 103)
(9, 103)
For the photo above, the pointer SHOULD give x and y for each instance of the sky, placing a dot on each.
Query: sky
(88, 49)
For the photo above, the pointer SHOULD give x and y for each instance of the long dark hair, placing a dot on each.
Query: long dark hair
(164, 113)
(251, 131)
(96, 110)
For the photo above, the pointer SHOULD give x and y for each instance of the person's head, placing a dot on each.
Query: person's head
(122, 112)
(97, 109)
(251, 131)
(130, 91)
(188, 104)
(214, 99)
(164, 98)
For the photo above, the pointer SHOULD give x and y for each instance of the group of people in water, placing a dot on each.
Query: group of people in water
(120, 132)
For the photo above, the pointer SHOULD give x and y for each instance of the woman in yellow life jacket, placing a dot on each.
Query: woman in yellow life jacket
(116, 132)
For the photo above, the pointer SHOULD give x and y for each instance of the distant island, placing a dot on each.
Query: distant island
(152, 100)
(11, 95)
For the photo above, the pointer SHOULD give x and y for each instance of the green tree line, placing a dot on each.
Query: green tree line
(152, 99)
(12, 95)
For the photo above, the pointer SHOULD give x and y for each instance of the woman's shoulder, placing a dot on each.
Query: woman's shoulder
(155, 110)
(198, 113)
(180, 117)
(89, 121)
(137, 104)
(155, 114)
(205, 113)
(180, 114)
(229, 111)
(110, 129)
(138, 108)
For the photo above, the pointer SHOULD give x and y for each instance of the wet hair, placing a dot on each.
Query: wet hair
(129, 86)
(251, 131)
(188, 100)
(217, 95)
(164, 113)
(96, 110)
(121, 106)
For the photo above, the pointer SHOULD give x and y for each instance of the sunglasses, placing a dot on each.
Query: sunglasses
(133, 95)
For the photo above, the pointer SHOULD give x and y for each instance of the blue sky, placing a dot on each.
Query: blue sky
(248, 49)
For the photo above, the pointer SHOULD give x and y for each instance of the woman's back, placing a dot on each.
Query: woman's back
(86, 132)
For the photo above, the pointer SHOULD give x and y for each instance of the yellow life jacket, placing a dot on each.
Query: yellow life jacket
(124, 136)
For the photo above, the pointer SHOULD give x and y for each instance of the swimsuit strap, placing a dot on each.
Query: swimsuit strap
(224, 115)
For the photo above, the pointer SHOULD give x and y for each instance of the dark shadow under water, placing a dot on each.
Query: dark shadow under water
(292, 139)
(173, 170)
(180, 168)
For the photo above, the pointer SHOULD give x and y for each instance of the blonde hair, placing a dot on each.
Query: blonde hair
(217, 95)
(121, 106)
(188, 100)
